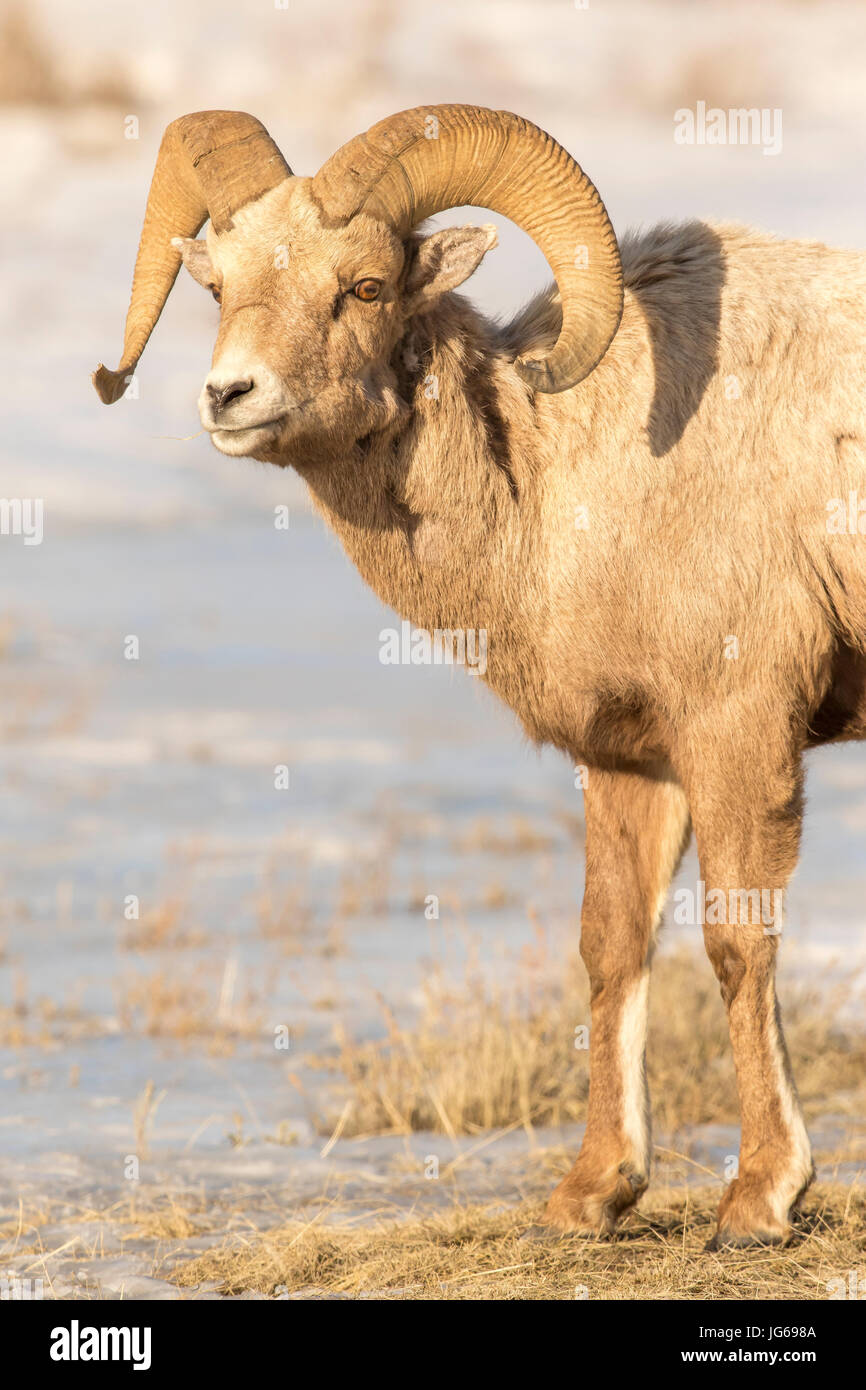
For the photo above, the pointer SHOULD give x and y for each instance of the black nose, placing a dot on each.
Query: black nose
(221, 396)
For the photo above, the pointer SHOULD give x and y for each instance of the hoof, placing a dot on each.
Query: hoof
(751, 1218)
(747, 1240)
(578, 1208)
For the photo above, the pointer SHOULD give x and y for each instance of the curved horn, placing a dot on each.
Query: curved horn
(209, 164)
(422, 161)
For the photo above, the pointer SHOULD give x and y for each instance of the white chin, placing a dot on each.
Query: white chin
(236, 443)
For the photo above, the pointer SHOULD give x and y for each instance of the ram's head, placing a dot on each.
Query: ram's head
(318, 278)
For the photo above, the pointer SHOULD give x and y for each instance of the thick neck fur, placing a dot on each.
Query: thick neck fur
(437, 512)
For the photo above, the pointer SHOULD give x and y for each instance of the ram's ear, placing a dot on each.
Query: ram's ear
(444, 260)
(194, 255)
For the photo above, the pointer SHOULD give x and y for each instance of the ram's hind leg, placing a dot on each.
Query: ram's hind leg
(746, 808)
(636, 830)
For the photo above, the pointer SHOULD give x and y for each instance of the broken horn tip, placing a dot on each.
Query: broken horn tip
(105, 383)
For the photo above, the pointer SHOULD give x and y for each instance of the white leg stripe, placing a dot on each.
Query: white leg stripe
(632, 1042)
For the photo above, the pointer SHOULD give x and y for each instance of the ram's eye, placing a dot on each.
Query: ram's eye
(367, 290)
(216, 292)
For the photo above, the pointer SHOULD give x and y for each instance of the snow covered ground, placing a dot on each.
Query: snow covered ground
(263, 908)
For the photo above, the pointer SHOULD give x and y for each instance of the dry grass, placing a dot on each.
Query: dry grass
(169, 1222)
(468, 1251)
(163, 928)
(480, 1060)
(363, 890)
(285, 915)
(132, 1219)
(287, 918)
(506, 836)
(43, 1022)
(482, 1253)
(166, 1005)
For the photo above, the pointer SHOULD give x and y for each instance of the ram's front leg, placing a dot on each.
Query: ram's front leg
(636, 830)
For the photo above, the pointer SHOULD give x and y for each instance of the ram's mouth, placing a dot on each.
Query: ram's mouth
(237, 439)
(245, 429)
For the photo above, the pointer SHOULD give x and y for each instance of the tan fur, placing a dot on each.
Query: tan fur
(705, 448)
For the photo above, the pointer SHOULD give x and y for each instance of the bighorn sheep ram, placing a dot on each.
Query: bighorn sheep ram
(644, 488)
